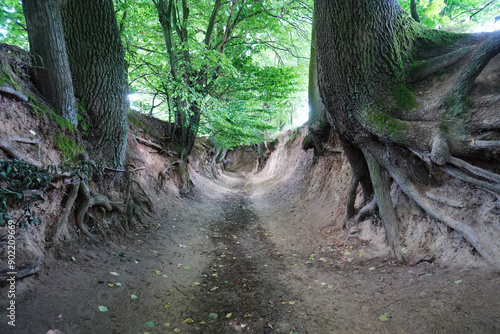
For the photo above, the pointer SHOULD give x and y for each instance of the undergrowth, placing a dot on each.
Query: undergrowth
(17, 176)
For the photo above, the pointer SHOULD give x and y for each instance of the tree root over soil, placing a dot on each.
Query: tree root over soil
(448, 130)
(83, 198)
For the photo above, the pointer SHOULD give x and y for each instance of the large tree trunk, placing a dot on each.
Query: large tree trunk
(46, 38)
(99, 74)
(318, 125)
(368, 53)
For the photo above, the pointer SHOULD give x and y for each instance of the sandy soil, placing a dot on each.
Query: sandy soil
(243, 254)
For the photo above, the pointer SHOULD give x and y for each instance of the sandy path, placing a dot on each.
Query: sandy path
(226, 262)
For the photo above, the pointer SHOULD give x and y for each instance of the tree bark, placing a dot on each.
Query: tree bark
(413, 9)
(46, 38)
(319, 128)
(99, 74)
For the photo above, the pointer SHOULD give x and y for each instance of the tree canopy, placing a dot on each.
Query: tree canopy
(227, 70)
(458, 15)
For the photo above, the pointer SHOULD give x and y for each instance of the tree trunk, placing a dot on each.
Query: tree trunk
(318, 125)
(99, 74)
(46, 38)
(413, 10)
(368, 53)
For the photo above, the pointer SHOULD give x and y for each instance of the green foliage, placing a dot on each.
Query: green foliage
(17, 176)
(237, 75)
(405, 99)
(12, 24)
(244, 77)
(68, 147)
(84, 169)
(256, 101)
(458, 15)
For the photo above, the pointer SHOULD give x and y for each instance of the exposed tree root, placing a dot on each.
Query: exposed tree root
(446, 201)
(471, 179)
(166, 171)
(482, 237)
(439, 128)
(479, 172)
(137, 169)
(148, 143)
(128, 207)
(351, 198)
(481, 144)
(7, 148)
(381, 185)
(213, 161)
(84, 202)
(154, 145)
(25, 140)
(142, 198)
(11, 92)
(87, 199)
(437, 64)
(360, 174)
(489, 49)
(367, 210)
(135, 201)
(75, 185)
(30, 270)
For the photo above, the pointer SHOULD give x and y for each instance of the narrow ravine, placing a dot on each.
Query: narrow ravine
(241, 289)
(235, 258)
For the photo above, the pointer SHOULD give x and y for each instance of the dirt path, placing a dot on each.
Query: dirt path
(225, 262)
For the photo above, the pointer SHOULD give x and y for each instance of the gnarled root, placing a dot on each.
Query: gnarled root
(367, 210)
(166, 172)
(75, 186)
(381, 185)
(135, 200)
(87, 199)
(84, 200)
(11, 151)
(360, 174)
(30, 270)
(483, 238)
(484, 53)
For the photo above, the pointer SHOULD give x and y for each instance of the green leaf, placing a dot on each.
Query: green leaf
(150, 324)
(458, 282)
(103, 308)
(383, 317)
(213, 315)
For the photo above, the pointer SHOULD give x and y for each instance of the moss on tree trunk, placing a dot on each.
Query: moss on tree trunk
(364, 54)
